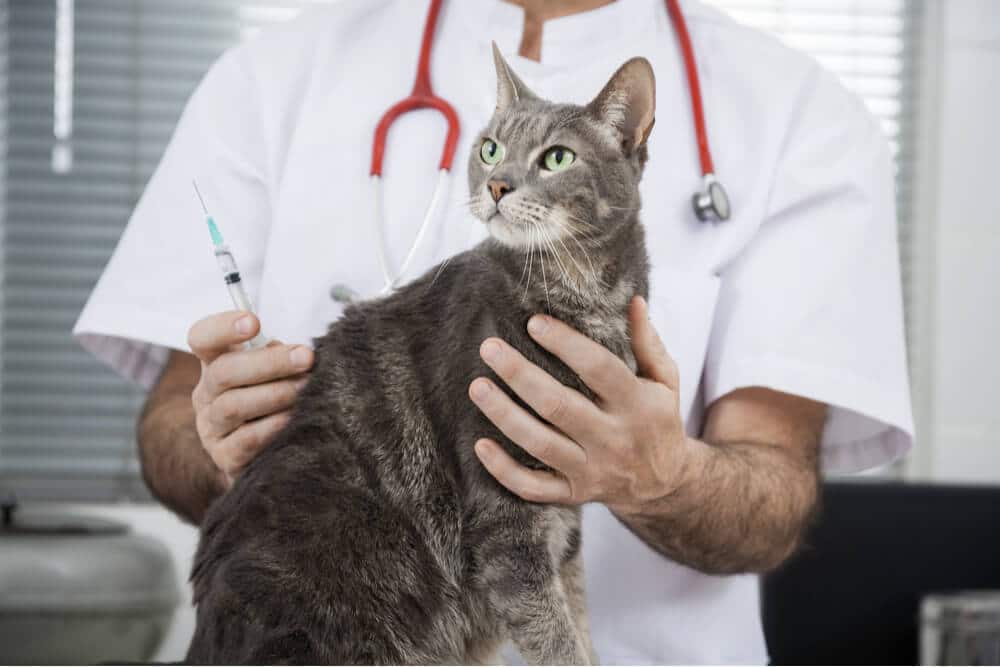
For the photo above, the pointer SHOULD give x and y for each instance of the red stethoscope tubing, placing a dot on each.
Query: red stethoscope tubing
(422, 97)
(697, 110)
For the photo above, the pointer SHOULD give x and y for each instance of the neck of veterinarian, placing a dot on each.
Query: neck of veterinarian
(579, 281)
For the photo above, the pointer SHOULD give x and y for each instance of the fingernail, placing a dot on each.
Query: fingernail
(301, 357)
(537, 325)
(244, 325)
(479, 389)
(643, 305)
(482, 449)
(490, 350)
(299, 384)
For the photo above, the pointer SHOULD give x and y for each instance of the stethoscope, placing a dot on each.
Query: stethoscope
(710, 204)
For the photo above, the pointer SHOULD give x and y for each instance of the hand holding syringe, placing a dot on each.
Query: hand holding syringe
(231, 273)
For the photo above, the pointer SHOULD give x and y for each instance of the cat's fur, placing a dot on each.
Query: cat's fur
(369, 532)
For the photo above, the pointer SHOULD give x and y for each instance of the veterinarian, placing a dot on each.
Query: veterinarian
(771, 349)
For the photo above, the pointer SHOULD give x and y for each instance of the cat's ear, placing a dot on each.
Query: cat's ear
(510, 88)
(628, 103)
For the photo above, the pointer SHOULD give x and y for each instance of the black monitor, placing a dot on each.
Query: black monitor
(851, 596)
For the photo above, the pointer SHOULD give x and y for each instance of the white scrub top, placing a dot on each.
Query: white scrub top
(799, 291)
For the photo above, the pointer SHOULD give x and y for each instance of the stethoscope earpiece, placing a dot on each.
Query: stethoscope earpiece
(711, 205)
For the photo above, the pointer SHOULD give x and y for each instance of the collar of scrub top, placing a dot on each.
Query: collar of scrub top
(710, 204)
(422, 97)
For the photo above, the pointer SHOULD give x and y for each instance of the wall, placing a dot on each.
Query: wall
(180, 538)
(959, 325)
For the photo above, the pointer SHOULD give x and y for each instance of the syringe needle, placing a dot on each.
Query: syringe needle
(198, 192)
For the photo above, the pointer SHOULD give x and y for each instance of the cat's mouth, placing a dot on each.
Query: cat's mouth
(518, 223)
(516, 232)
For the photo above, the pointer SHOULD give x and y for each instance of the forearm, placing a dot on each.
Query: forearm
(175, 466)
(735, 508)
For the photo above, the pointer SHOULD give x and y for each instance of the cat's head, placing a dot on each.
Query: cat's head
(541, 172)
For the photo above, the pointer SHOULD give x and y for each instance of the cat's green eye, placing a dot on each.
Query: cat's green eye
(558, 158)
(491, 152)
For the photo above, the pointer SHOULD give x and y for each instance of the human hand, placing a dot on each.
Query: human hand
(624, 448)
(243, 396)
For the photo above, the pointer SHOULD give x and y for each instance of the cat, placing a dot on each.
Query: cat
(369, 532)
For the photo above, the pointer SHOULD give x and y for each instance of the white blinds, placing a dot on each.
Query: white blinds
(87, 113)
(76, 150)
(4, 103)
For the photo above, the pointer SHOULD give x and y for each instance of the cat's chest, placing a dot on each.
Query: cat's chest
(601, 315)
(610, 329)
(607, 329)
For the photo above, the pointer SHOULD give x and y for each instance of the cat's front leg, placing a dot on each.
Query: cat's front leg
(524, 589)
(571, 575)
(540, 620)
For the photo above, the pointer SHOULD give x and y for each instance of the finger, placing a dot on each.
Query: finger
(602, 371)
(536, 486)
(215, 334)
(236, 406)
(651, 356)
(539, 440)
(570, 411)
(249, 367)
(235, 452)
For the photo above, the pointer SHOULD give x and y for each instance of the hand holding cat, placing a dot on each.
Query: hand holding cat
(623, 449)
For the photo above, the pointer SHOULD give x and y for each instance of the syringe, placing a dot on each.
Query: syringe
(227, 263)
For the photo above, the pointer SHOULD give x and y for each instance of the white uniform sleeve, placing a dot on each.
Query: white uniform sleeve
(162, 277)
(812, 304)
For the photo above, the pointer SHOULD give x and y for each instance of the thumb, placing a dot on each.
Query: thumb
(651, 355)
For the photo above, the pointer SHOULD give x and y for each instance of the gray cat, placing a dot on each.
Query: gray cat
(369, 532)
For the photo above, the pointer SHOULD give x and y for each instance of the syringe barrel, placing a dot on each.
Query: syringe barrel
(234, 283)
(226, 261)
(239, 295)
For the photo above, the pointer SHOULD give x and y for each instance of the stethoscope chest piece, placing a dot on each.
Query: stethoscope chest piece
(343, 294)
(712, 204)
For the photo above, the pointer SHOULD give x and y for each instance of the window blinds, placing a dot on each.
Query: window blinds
(93, 90)
(90, 91)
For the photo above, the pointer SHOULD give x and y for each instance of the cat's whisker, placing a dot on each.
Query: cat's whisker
(593, 270)
(572, 258)
(531, 254)
(541, 262)
(440, 270)
(577, 229)
(581, 224)
(557, 260)
(524, 270)
(544, 236)
(577, 218)
(555, 255)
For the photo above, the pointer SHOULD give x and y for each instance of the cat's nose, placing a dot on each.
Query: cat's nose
(499, 188)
